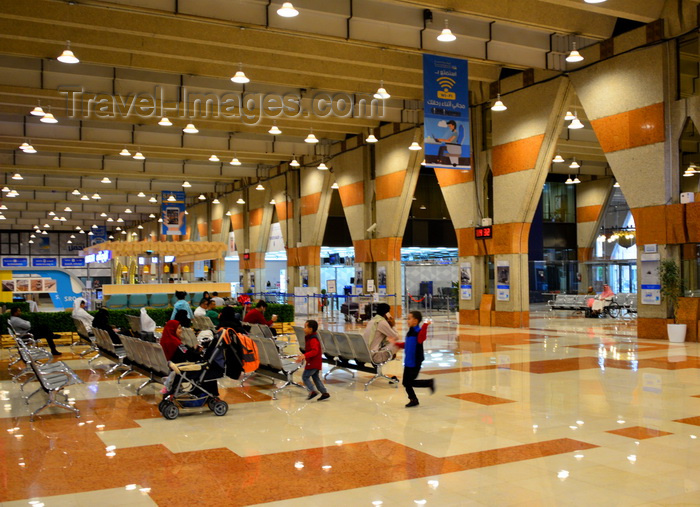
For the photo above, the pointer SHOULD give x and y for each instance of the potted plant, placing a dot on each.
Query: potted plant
(672, 290)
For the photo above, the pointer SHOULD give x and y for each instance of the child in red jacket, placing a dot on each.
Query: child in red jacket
(313, 356)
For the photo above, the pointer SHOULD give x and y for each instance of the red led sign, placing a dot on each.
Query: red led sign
(483, 232)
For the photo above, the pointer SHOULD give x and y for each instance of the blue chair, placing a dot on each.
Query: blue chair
(158, 301)
(173, 300)
(138, 300)
(117, 302)
(196, 298)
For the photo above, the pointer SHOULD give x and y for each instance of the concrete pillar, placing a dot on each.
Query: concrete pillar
(628, 101)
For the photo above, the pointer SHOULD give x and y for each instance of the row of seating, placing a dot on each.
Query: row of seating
(52, 377)
(619, 305)
(136, 301)
(574, 302)
(346, 351)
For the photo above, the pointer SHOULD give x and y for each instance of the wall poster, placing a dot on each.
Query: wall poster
(502, 280)
(465, 280)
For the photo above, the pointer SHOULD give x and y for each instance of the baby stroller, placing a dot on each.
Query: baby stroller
(195, 384)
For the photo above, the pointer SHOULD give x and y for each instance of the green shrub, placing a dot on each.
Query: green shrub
(23, 305)
(61, 322)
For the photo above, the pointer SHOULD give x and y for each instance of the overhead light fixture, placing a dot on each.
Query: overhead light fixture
(12, 193)
(574, 56)
(111, 237)
(213, 158)
(72, 236)
(370, 138)
(120, 220)
(151, 215)
(118, 229)
(415, 146)
(171, 198)
(52, 213)
(56, 218)
(498, 105)
(186, 184)
(128, 210)
(216, 201)
(140, 194)
(202, 197)
(235, 161)
(24, 146)
(688, 174)
(37, 111)
(575, 123)
(164, 122)
(187, 212)
(228, 213)
(46, 226)
(381, 92)
(124, 232)
(569, 181)
(190, 129)
(93, 226)
(260, 187)
(294, 163)
(3, 207)
(423, 206)
(63, 219)
(48, 118)
(67, 56)
(335, 186)
(31, 241)
(75, 192)
(574, 165)
(17, 176)
(569, 116)
(274, 130)
(44, 233)
(106, 180)
(139, 226)
(160, 220)
(576, 180)
(273, 202)
(322, 167)
(7, 189)
(139, 156)
(84, 197)
(558, 159)
(446, 35)
(311, 138)
(153, 199)
(240, 76)
(595, 1)
(69, 242)
(110, 219)
(67, 209)
(27, 148)
(287, 10)
(125, 153)
(96, 196)
(240, 201)
(616, 184)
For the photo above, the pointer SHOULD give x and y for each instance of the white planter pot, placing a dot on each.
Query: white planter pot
(676, 332)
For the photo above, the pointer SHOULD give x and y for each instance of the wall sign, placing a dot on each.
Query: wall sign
(15, 262)
(73, 262)
(102, 256)
(44, 262)
(502, 281)
(465, 280)
(483, 232)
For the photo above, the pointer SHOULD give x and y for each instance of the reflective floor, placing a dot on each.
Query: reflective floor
(571, 411)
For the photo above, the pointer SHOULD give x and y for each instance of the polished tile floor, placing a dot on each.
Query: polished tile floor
(571, 411)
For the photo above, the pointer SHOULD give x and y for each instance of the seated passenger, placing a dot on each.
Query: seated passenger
(212, 313)
(101, 321)
(182, 317)
(228, 318)
(257, 316)
(79, 313)
(201, 310)
(218, 300)
(23, 327)
(381, 336)
(598, 303)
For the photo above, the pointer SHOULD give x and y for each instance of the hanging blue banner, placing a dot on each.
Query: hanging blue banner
(173, 213)
(446, 112)
(99, 235)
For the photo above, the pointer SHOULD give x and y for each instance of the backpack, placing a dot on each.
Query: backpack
(250, 357)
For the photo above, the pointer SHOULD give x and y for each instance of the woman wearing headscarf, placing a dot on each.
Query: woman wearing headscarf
(229, 318)
(148, 326)
(79, 313)
(381, 336)
(101, 321)
(182, 317)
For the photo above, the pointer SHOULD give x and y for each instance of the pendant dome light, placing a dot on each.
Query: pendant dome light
(574, 165)
(48, 117)
(165, 122)
(213, 158)
(569, 116)
(294, 162)
(574, 56)
(575, 123)
(569, 181)
(498, 105)
(190, 129)
(311, 138)
(240, 76)
(371, 138)
(446, 35)
(240, 201)
(287, 10)
(67, 56)
(322, 167)
(415, 146)
(381, 92)
(558, 159)
(235, 161)
(125, 152)
(37, 111)
(274, 130)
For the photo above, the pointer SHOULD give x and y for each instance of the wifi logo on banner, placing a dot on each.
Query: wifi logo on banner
(446, 83)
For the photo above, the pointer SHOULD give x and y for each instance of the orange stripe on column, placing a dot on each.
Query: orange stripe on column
(216, 225)
(255, 217)
(284, 210)
(256, 261)
(353, 194)
(588, 213)
(663, 225)
(447, 177)
(509, 238)
(631, 129)
(516, 156)
(202, 228)
(386, 249)
(390, 185)
(309, 255)
(363, 250)
(237, 221)
(310, 203)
